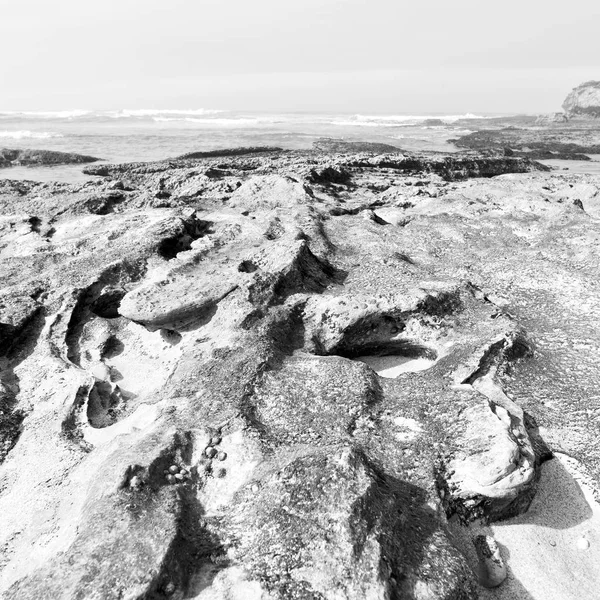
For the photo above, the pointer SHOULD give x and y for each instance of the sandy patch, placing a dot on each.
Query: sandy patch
(552, 551)
(394, 365)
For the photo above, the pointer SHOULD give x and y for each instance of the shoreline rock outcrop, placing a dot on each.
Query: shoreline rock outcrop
(583, 101)
(39, 158)
(187, 405)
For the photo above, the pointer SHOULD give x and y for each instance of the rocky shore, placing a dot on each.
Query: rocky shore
(563, 140)
(314, 375)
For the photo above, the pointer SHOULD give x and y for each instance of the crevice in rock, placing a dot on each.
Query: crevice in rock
(192, 229)
(100, 299)
(106, 305)
(489, 359)
(247, 266)
(15, 349)
(71, 425)
(11, 419)
(307, 273)
(105, 402)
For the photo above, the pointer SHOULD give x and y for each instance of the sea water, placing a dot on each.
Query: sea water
(147, 134)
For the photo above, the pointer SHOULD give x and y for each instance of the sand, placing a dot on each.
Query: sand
(552, 551)
(394, 365)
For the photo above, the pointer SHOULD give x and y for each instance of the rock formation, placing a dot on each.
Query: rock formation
(187, 406)
(27, 158)
(567, 141)
(583, 101)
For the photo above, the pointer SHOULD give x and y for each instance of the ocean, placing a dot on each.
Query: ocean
(145, 134)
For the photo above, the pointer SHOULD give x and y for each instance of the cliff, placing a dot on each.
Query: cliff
(583, 101)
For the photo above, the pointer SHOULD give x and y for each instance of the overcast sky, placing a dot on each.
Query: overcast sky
(326, 55)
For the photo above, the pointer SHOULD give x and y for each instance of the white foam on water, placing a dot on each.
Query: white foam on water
(45, 114)
(26, 134)
(151, 112)
(241, 122)
(395, 365)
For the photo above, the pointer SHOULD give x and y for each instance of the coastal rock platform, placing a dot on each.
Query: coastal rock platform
(187, 408)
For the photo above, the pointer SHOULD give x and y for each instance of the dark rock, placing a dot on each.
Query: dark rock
(336, 146)
(29, 158)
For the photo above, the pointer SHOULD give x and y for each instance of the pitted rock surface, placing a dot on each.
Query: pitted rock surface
(182, 409)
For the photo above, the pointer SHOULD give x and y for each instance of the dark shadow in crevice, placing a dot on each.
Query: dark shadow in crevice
(401, 511)
(16, 349)
(192, 230)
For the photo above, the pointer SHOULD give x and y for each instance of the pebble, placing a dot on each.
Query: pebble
(222, 455)
(255, 487)
(135, 482)
(171, 478)
(215, 441)
(210, 452)
(173, 469)
(179, 476)
(491, 570)
(583, 544)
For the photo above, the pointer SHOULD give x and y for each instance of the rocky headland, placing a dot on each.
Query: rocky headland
(570, 135)
(310, 375)
(583, 101)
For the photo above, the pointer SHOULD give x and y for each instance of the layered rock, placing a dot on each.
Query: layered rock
(583, 101)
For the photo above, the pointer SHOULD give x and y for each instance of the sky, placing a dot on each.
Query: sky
(387, 56)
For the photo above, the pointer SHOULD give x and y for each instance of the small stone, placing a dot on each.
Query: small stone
(255, 488)
(394, 329)
(491, 569)
(222, 455)
(135, 482)
(179, 477)
(215, 441)
(170, 588)
(583, 544)
(171, 478)
(173, 469)
(210, 452)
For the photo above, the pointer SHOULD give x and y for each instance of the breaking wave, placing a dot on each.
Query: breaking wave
(141, 113)
(21, 135)
(399, 120)
(150, 112)
(45, 114)
(241, 122)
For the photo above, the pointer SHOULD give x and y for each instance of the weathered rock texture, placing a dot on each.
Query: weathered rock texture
(559, 140)
(27, 158)
(183, 411)
(583, 101)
